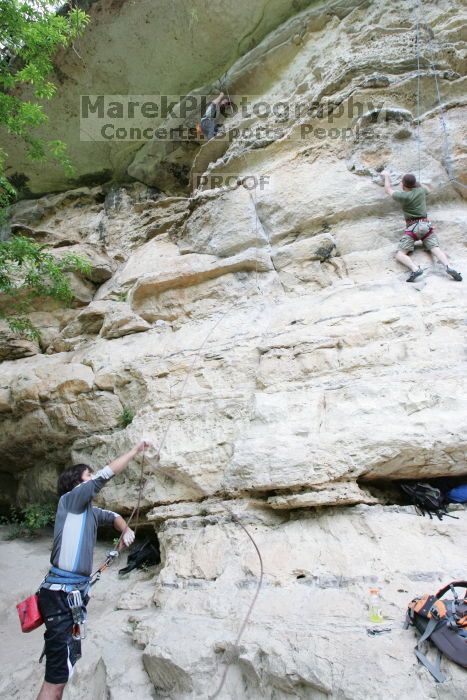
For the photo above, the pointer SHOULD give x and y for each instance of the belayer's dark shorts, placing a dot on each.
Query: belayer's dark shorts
(60, 649)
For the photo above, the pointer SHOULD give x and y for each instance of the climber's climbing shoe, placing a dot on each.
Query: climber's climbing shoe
(415, 275)
(455, 275)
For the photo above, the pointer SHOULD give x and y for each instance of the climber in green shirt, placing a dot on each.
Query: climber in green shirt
(412, 198)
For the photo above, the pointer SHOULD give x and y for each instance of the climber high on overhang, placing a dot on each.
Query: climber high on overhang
(210, 122)
(412, 197)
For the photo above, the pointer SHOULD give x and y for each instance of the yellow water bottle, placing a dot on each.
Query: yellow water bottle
(374, 607)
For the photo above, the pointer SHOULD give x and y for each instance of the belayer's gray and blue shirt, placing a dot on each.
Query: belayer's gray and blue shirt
(76, 525)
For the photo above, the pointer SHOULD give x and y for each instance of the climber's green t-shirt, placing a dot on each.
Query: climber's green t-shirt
(413, 201)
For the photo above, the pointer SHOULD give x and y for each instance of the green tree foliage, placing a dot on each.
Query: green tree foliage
(28, 272)
(28, 522)
(30, 34)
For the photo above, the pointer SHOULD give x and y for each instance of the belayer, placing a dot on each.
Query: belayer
(64, 593)
(210, 122)
(412, 198)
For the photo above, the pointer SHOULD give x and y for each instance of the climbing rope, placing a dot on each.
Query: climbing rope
(417, 48)
(141, 484)
(255, 204)
(235, 519)
(442, 117)
(254, 201)
(251, 606)
(142, 480)
(115, 553)
(223, 505)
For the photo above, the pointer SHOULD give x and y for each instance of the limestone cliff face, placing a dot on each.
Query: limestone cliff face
(139, 47)
(267, 339)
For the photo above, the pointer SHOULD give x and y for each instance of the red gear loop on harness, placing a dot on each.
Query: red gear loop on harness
(413, 235)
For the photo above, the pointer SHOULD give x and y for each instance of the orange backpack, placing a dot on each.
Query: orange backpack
(442, 622)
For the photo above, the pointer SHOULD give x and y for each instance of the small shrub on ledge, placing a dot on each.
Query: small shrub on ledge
(126, 417)
(29, 272)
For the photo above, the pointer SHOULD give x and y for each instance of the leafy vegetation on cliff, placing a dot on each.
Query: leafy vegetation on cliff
(28, 272)
(30, 34)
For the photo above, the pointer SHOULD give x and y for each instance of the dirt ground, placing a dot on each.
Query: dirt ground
(109, 656)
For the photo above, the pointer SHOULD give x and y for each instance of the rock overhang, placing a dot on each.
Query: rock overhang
(137, 48)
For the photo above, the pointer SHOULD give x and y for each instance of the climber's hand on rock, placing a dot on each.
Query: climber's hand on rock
(143, 445)
(128, 537)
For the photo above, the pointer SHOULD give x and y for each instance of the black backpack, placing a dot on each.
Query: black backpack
(427, 499)
(442, 622)
(147, 554)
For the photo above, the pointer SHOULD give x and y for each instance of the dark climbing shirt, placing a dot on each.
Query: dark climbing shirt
(209, 123)
(413, 202)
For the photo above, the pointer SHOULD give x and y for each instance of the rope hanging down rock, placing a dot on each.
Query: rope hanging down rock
(235, 519)
(114, 553)
(251, 606)
(417, 49)
(142, 481)
(112, 556)
(442, 117)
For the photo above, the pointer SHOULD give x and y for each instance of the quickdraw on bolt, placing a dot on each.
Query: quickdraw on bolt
(75, 603)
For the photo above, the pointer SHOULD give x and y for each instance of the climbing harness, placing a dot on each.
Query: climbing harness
(418, 229)
(67, 579)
